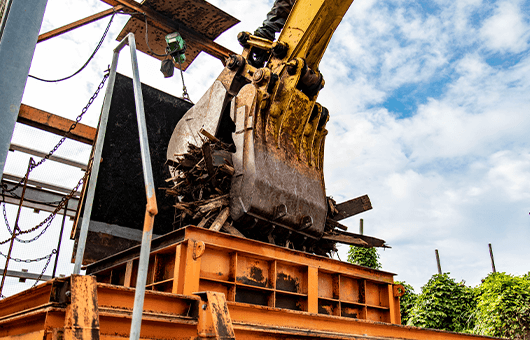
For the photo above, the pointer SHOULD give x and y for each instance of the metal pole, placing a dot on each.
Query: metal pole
(102, 129)
(492, 261)
(151, 207)
(361, 227)
(16, 228)
(438, 261)
(60, 239)
(17, 46)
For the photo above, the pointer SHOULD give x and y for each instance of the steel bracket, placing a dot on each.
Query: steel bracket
(398, 290)
(198, 249)
(214, 317)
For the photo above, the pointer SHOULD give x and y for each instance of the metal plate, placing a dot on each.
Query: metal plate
(198, 15)
(120, 191)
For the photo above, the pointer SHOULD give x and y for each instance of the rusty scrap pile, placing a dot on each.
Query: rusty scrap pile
(201, 185)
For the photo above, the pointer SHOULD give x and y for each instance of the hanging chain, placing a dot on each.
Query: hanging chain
(45, 267)
(63, 201)
(67, 134)
(50, 218)
(185, 94)
(89, 59)
(38, 259)
(47, 221)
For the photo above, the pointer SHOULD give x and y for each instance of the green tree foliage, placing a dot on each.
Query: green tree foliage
(443, 304)
(368, 257)
(503, 306)
(406, 301)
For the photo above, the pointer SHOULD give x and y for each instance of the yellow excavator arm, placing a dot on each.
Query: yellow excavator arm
(278, 185)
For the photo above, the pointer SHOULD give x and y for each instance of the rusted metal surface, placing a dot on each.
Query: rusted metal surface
(78, 23)
(270, 172)
(270, 323)
(43, 314)
(198, 15)
(256, 273)
(55, 124)
(214, 318)
(197, 21)
(229, 244)
(82, 317)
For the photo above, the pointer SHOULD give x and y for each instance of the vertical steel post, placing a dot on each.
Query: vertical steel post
(17, 45)
(16, 228)
(60, 240)
(361, 227)
(492, 260)
(151, 207)
(438, 261)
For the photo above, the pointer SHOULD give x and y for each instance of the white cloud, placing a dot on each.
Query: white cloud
(453, 175)
(506, 30)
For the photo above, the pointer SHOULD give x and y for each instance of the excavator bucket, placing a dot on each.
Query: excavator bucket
(277, 192)
(278, 178)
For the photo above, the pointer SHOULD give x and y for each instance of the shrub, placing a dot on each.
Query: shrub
(367, 257)
(503, 306)
(443, 304)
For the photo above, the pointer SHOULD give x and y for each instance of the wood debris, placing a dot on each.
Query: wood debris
(201, 185)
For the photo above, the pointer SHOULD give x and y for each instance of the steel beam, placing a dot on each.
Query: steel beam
(39, 198)
(40, 184)
(164, 23)
(16, 147)
(17, 46)
(25, 275)
(55, 124)
(77, 24)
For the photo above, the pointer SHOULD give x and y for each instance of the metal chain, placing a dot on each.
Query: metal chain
(185, 94)
(50, 218)
(72, 127)
(38, 259)
(89, 59)
(17, 231)
(20, 240)
(45, 267)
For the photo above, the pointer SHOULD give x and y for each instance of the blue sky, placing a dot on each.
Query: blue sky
(429, 104)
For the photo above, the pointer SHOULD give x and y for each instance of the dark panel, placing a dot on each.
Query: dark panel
(120, 191)
(198, 15)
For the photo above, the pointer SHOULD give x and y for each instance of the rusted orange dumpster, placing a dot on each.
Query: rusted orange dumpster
(209, 285)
